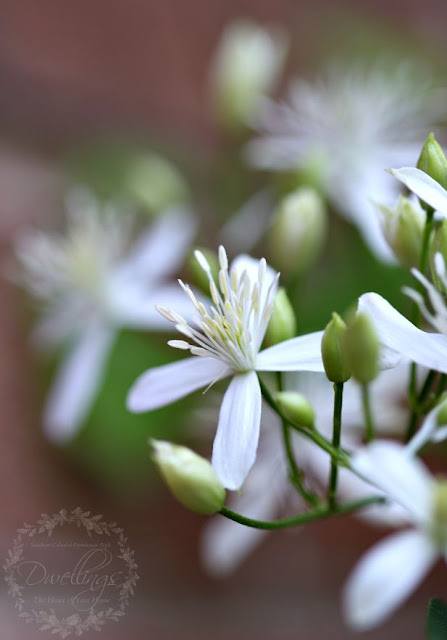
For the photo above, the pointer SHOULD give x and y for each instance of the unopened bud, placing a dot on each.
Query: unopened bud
(362, 348)
(439, 246)
(403, 227)
(441, 417)
(245, 70)
(282, 325)
(440, 512)
(298, 231)
(198, 274)
(155, 183)
(333, 350)
(190, 477)
(433, 161)
(296, 408)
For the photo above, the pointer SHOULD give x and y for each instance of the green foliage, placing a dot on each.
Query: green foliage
(436, 624)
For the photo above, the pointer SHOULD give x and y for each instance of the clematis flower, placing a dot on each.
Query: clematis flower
(347, 126)
(267, 492)
(226, 341)
(390, 571)
(401, 336)
(89, 288)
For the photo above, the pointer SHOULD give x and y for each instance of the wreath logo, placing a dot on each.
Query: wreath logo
(68, 584)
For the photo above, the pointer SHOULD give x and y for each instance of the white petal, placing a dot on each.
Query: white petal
(385, 576)
(76, 384)
(161, 249)
(245, 227)
(427, 432)
(424, 187)
(397, 333)
(401, 477)
(298, 354)
(236, 440)
(160, 386)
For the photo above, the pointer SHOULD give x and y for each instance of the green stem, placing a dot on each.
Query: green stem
(303, 518)
(336, 435)
(341, 456)
(415, 318)
(369, 425)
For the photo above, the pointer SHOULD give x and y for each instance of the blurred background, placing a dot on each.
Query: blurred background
(86, 88)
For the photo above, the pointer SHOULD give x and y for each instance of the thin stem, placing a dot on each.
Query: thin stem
(341, 456)
(369, 425)
(303, 518)
(418, 404)
(416, 317)
(336, 436)
(295, 473)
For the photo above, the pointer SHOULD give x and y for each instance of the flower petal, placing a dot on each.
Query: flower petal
(401, 477)
(236, 440)
(298, 354)
(423, 186)
(428, 432)
(385, 576)
(397, 333)
(160, 251)
(160, 386)
(76, 384)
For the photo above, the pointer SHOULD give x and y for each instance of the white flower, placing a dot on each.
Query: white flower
(268, 492)
(401, 336)
(388, 573)
(88, 289)
(424, 187)
(245, 69)
(226, 341)
(350, 125)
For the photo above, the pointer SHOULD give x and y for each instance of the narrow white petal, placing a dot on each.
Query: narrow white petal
(236, 440)
(428, 431)
(424, 187)
(401, 477)
(385, 577)
(398, 334)
(298, 354)
(76, 384)
(161, 249)
(162, 385)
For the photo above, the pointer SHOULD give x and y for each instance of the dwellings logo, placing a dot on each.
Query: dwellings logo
(70, 572)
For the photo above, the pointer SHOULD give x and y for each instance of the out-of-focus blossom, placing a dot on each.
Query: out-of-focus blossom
(245, 69)
(267, 492)
(390, 571)
(89, 285)
(351, 123)
(227, 342)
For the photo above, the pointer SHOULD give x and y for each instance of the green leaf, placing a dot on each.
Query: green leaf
(436, 626)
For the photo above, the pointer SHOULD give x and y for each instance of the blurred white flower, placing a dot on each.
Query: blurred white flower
(267, 491)
(88, 288)
(390, 571)
(245, 69)
(227, 342)
(350, 125)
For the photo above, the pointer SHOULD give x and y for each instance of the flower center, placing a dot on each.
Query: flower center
(233, 328)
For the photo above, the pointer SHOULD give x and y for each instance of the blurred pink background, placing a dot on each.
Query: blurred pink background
(73, 70)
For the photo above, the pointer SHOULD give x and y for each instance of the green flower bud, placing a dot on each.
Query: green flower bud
(282, 325)
(190, 477)
(333, 350)
(403, 227)
(155, 183)
(362, 348)
(441, 418)
(296, 408)
(433, 161)
(246, 68)
(440, 512)
(198, 275)
(298, 231)
(438, 245)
